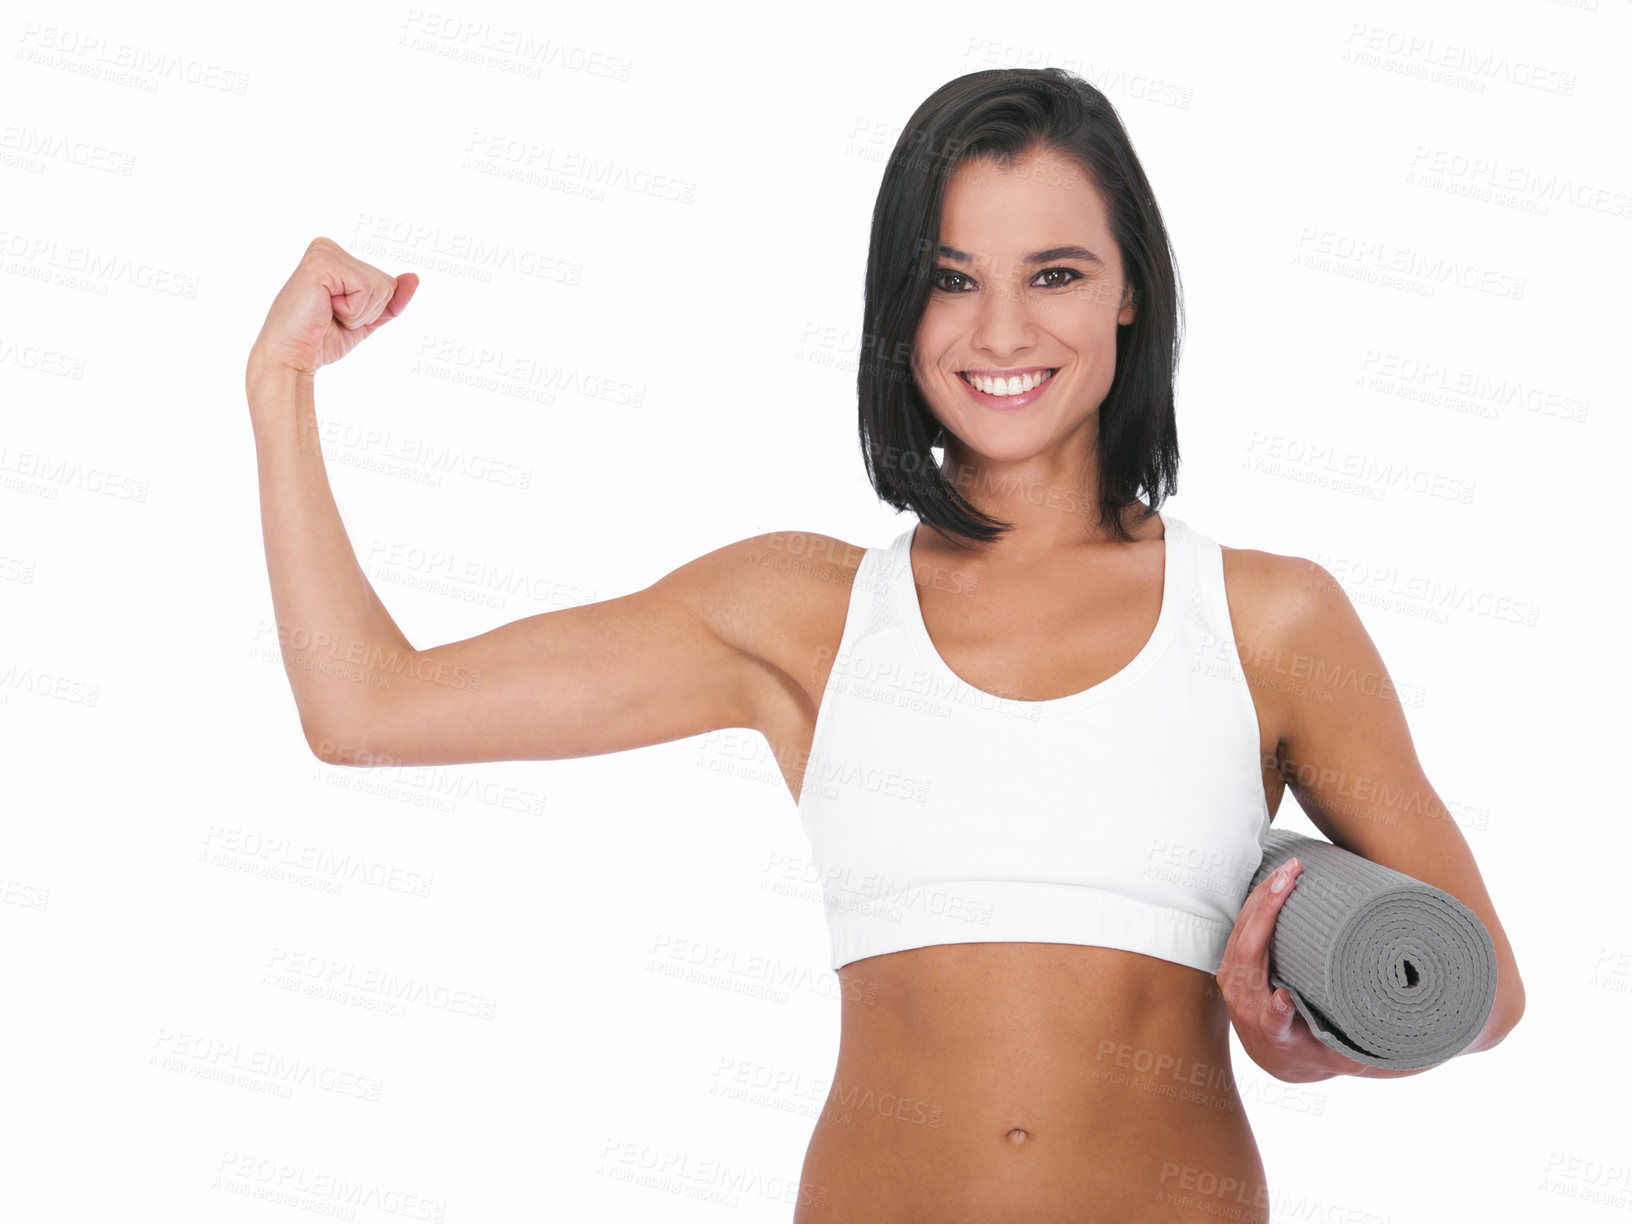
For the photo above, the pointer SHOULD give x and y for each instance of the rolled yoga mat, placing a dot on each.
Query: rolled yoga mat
(1387, 970)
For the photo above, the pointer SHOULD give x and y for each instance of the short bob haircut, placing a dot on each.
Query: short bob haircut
(1000, 114)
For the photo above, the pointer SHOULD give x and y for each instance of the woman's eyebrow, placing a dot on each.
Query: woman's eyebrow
(1036, 257)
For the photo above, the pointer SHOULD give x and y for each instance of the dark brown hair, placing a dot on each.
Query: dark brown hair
(1002, 113)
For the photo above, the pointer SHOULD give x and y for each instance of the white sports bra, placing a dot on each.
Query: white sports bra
(1129, 815)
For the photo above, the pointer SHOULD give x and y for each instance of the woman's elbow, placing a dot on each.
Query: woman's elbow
(1505, 1015)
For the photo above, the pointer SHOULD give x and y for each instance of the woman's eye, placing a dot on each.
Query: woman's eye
(951, 281)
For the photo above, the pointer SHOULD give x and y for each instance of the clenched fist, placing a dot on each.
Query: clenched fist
(328, 306)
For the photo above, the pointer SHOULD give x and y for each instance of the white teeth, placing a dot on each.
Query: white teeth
(1016, 385)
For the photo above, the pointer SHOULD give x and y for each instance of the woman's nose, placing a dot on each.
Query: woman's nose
(1005, 323)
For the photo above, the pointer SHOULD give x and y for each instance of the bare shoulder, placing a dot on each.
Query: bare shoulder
(778, 597)
(1273, 597)
(1294, 630)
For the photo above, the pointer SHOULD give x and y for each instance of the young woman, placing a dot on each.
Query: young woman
(1052, 719)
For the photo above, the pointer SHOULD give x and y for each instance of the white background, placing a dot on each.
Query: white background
(156, 777)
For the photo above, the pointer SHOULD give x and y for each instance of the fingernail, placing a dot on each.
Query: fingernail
(1279, 882)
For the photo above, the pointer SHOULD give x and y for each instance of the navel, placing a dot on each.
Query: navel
(1018, 1136)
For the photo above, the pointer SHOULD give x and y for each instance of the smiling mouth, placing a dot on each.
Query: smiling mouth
(1014, 384)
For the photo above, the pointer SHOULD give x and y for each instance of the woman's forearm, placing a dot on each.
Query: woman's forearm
(340, 646)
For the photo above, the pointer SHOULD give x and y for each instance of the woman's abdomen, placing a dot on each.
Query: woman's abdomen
(1050, 1082)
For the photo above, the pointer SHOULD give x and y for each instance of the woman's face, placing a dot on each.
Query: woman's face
(1028, 282)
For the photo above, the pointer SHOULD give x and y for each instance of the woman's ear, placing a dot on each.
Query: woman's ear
(1125, 315)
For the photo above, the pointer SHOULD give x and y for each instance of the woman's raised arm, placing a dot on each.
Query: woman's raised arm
(644, 668)
(674, 660)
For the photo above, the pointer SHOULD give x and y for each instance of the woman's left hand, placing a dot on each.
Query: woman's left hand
(1271, 1030)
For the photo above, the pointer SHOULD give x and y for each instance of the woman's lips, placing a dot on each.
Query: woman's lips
(1008, 403)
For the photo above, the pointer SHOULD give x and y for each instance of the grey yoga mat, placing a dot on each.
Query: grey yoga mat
(1387, 970)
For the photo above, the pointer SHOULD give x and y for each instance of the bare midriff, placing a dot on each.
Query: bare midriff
(1031, 1082)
